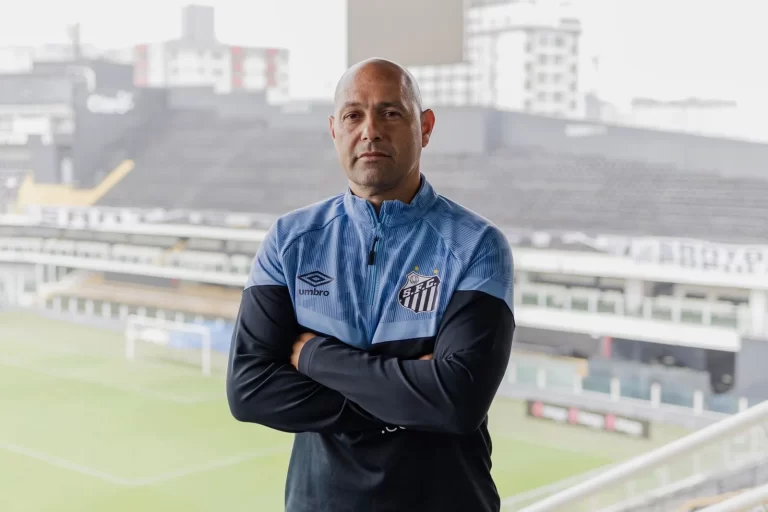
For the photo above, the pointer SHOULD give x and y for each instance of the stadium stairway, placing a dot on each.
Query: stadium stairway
(67, 284)
(31, 193)
(191, 300)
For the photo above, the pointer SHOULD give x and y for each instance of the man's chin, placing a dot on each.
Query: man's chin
(374, 178)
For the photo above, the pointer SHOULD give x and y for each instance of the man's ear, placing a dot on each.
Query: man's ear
(330, 126)
(427, 126)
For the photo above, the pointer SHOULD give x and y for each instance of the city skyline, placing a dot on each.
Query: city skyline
(650, 48)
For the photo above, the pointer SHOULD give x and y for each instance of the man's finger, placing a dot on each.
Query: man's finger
(426, 357)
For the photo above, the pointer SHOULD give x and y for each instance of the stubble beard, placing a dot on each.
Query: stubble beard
(375, 179)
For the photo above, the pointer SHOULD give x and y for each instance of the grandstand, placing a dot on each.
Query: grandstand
(200, 160)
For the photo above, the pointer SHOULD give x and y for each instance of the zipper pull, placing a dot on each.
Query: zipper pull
(372, 253)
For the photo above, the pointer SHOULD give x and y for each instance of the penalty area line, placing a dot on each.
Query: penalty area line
(68, 465)
(209, 466)
(62, 463)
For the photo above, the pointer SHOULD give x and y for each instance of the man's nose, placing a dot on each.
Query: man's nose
(371, 130)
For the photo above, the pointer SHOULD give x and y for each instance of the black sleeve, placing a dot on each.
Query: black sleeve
(452, 393)
(263, 387)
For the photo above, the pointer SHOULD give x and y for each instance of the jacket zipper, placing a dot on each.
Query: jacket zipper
(372, 262)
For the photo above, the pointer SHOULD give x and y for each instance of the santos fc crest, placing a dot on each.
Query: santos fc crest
(420, 293)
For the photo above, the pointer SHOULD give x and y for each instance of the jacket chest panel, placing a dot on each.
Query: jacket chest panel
(398, 293)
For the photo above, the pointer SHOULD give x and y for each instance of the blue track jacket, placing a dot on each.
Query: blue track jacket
(378, 430)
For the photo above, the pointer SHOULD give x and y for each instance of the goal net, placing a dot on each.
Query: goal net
(176, 342)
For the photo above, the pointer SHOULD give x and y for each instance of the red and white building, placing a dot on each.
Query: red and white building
(199, 60)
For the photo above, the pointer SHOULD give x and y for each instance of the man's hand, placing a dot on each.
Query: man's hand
(426, 357)
(298, 345)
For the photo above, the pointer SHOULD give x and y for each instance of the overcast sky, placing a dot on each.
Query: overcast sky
(660, 48)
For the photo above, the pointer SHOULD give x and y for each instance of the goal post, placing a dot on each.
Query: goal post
(169, 335)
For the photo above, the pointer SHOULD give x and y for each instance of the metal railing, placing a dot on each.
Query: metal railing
(734, 441)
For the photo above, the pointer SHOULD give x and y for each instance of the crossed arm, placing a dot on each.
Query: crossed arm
(339, 388)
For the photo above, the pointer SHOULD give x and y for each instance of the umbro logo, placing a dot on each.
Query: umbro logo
(315, 279)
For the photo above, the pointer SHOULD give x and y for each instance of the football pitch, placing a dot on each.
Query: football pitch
(83, 429)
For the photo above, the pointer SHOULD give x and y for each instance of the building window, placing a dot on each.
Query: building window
(542, 77)
(529, 67)
(573, 104)
(527, 104)
(542, 59)
(557, 78)
(529, 47)
(542, 96)
(558, 59)
(575, 49)
(544, 39)
(574, 68)
(527, 85)
(574, 87)
(557, 97)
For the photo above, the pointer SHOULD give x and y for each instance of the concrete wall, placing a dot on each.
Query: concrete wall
(751, 376)
(241, 105)
(686, 152)
(463, 131)
(110, 128)
(44, 160)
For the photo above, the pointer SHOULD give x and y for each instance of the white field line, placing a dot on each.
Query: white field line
(64, 464)
(213, 465)
(150, 393)
(209, 466)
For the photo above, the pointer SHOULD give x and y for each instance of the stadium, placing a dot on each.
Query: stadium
(130, 214)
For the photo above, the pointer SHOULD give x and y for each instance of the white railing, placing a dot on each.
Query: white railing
(757, 498)
(674, 309)
(727, 443)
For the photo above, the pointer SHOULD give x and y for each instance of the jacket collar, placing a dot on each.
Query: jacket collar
(392, 212)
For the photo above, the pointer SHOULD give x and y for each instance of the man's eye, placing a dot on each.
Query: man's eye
(391, 113)
(351, 116)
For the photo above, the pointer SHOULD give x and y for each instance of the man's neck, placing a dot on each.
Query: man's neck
(404, 192)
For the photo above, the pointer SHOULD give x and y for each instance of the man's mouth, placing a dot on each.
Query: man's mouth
(373, 154)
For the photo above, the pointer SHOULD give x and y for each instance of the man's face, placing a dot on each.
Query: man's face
(377, 130)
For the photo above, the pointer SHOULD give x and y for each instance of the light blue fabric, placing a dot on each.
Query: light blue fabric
(427, 250)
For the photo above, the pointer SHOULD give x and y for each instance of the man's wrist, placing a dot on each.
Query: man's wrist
(305, 356)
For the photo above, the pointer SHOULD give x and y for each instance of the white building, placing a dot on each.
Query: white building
(520, 55)
(198, 60)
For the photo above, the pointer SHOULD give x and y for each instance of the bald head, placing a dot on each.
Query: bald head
(379, 129)
(379, 70)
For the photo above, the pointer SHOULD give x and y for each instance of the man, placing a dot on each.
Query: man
(377, 324)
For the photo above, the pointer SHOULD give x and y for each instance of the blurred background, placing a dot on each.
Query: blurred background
(622, 145)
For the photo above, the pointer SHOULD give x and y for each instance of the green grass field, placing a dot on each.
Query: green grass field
(83, 429)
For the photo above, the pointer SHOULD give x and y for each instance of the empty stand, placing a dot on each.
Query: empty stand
(199, 161)
(193, 300)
